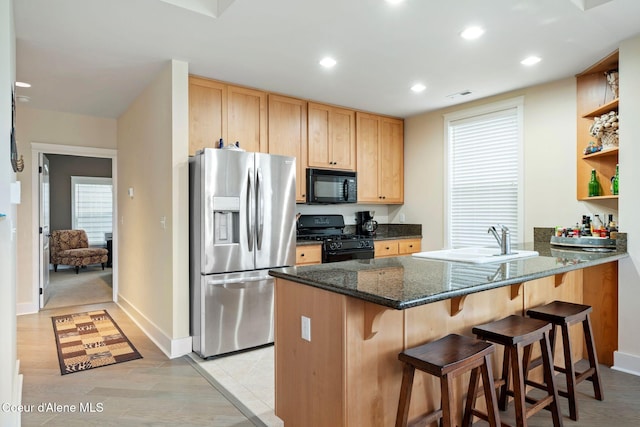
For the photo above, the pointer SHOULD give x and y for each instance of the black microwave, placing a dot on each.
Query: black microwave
(331, 186)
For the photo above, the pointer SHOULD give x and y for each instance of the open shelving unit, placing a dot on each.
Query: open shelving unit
(594, 98)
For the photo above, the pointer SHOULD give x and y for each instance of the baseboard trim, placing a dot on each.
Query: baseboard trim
(17, 393)
(172, 348)
(625, 362)
(27, 308)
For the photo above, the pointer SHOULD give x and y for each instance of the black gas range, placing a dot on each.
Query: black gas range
(336, 244)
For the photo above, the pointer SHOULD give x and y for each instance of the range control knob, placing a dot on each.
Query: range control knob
(335, 245)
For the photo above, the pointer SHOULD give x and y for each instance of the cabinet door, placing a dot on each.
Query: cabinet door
(391, 165)
(409, 246)
(247, 118)
(343, 138)
(308, 254)
(367, 134)
(288, 135)
(207, 113)
(332, 142)
(318, 146)
(385, 248)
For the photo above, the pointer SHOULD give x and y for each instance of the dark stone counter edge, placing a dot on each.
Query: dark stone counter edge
(401, 305)
(375, 238)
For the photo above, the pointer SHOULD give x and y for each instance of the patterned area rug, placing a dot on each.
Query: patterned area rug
(90, 340)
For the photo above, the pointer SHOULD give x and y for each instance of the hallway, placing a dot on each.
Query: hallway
(153, 390)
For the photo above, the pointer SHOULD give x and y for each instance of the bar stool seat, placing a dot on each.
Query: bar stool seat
(446, 359)
(517, 333)
(564, 314)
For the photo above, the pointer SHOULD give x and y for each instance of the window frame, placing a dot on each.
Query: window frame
(469, 113)
(94, 180)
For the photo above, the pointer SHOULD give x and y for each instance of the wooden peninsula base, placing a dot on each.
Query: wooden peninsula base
(348, 374)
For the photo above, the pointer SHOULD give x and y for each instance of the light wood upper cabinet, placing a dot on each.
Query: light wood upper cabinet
(380, 146)
(332, 137)
(247, 118)
(218, 110)
(288, 135)
(207, 113)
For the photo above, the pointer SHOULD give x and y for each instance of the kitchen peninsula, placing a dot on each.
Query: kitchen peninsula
(360, 314)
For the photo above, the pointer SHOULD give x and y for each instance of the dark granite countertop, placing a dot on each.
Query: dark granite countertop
(409, 281)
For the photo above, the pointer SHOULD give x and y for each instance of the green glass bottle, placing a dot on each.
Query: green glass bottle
(594, 185)
(614, 187)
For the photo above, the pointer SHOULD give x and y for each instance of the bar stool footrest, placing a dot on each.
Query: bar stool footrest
(426, 419)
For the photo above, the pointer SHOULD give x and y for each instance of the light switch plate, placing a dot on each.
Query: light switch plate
(305, 326)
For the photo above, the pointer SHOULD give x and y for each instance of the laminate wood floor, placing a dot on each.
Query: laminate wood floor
(153, 391)
(620, 407)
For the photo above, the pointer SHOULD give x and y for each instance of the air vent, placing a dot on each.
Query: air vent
(585, 5)
(459, 94)
(212, 8)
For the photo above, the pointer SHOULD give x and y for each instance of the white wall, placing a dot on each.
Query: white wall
(549, 164)
(153, 275)
(51, 127)
(10, 382)
(627, 357)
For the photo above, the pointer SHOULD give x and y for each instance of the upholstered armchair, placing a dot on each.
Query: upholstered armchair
(71, 247)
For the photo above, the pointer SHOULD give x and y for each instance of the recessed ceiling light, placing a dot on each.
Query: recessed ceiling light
(472, 33)
(328, 62)
(23, 84)
(531, 60)
(394, 1)
(418, 87)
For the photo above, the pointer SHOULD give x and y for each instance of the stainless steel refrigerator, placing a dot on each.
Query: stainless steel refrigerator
(242, 223)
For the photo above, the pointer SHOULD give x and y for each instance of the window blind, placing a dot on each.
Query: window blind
(92, 207)
(484, 168)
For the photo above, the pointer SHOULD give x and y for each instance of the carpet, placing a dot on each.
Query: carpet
(90, 340)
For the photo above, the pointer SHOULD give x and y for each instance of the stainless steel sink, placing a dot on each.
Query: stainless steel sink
(475, 255)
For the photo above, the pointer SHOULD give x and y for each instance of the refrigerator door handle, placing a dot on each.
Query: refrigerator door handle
(259, 207)
(250, 219)
(236, 281)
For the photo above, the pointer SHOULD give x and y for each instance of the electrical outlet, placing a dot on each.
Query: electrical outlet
(305, 324)
(402, 218)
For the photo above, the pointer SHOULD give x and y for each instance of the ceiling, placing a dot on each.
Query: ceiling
(95, 56)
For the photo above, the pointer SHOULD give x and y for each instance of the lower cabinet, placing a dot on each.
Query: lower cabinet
(308, 254)
(387, 248)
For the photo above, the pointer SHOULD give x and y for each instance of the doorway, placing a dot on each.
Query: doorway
(80, 198)
(92, 284)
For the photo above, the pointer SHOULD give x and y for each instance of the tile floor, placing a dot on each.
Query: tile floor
(247, 380)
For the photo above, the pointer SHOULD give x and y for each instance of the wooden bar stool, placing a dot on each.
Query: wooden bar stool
(517, 333)
(446, 359)
(565, 314)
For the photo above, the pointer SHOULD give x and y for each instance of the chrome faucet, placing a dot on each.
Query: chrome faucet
(504, 241)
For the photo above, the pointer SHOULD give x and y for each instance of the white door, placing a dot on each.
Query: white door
(44, 229)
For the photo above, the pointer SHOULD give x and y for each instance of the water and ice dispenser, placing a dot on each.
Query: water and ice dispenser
(226, 220)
